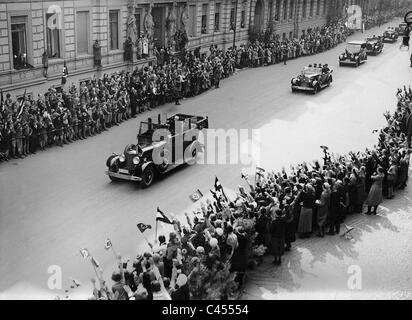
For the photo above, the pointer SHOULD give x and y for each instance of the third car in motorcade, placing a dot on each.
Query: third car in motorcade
(374, 45)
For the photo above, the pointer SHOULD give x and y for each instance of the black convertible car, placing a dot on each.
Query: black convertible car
(312, 79)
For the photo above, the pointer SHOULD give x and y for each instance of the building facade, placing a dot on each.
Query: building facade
(65, 32)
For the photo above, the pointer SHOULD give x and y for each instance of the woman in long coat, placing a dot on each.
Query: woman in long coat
(290, 227)
(323, 209)
(375, 193)
(307, 197)
(403, 170)
(277, 236)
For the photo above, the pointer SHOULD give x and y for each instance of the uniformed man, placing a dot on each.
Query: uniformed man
(217, 74)
(177, 87)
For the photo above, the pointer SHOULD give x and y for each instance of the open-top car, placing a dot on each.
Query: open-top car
(390, 35)
(160, 148)
(312, 78)
(374, 45)
(355, 54)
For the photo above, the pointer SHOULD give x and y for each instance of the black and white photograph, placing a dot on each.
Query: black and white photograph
(229, 151)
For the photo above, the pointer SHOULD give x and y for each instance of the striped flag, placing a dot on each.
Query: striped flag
(21, 107)
(196, 195)
(163, 218)
(260, 171)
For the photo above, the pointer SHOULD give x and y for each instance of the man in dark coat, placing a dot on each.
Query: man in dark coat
(334, 218)
(277, 239)
(217, 74)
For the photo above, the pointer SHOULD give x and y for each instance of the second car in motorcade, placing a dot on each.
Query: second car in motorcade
(355, 54)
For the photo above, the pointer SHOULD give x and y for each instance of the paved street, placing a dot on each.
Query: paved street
(56, 202)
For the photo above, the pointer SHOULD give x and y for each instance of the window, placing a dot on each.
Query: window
(232, 18)
(304, 7)
(82, 31)
(192, 20)
(137, 17)
(52, 39)
(204, 19)
(19, 41)
(312, 5)
(292, 9)
(114, 29)
(243, 19)
(318, 8)
(285, 9)
(290, 35)
(270, 10)
(284, 36)
(217, 17)
(277, 10)
(324, 6)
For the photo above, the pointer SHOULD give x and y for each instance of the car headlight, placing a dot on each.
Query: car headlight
(122, 158)
(314, 82)
(136, 160)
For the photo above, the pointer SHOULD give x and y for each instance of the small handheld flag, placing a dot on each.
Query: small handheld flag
(196, 195)
(143, 227)
(85, 253)
(163, 217)
(95, 263)
(108, 244)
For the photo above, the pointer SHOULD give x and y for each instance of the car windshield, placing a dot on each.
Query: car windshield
(310, 71)
(353, 48)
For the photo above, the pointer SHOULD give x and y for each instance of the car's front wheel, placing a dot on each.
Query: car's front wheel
(147, 177)
(315, 89)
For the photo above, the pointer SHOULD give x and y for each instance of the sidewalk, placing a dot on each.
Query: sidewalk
(319, 268)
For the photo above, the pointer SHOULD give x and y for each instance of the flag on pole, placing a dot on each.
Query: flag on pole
(218, 185)
(108, 244)
(95, 263)
(196, 195)
(143, 227)
(85, 253)
(21, 107)
(260, 170)
(163, 217)
(219, 188)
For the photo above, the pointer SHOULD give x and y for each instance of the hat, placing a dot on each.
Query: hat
(181, 280)
(219, 231)
(213, 242)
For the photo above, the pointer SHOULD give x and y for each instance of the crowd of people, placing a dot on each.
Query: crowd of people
(63, 115)
(207, 256)
(268, 50)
